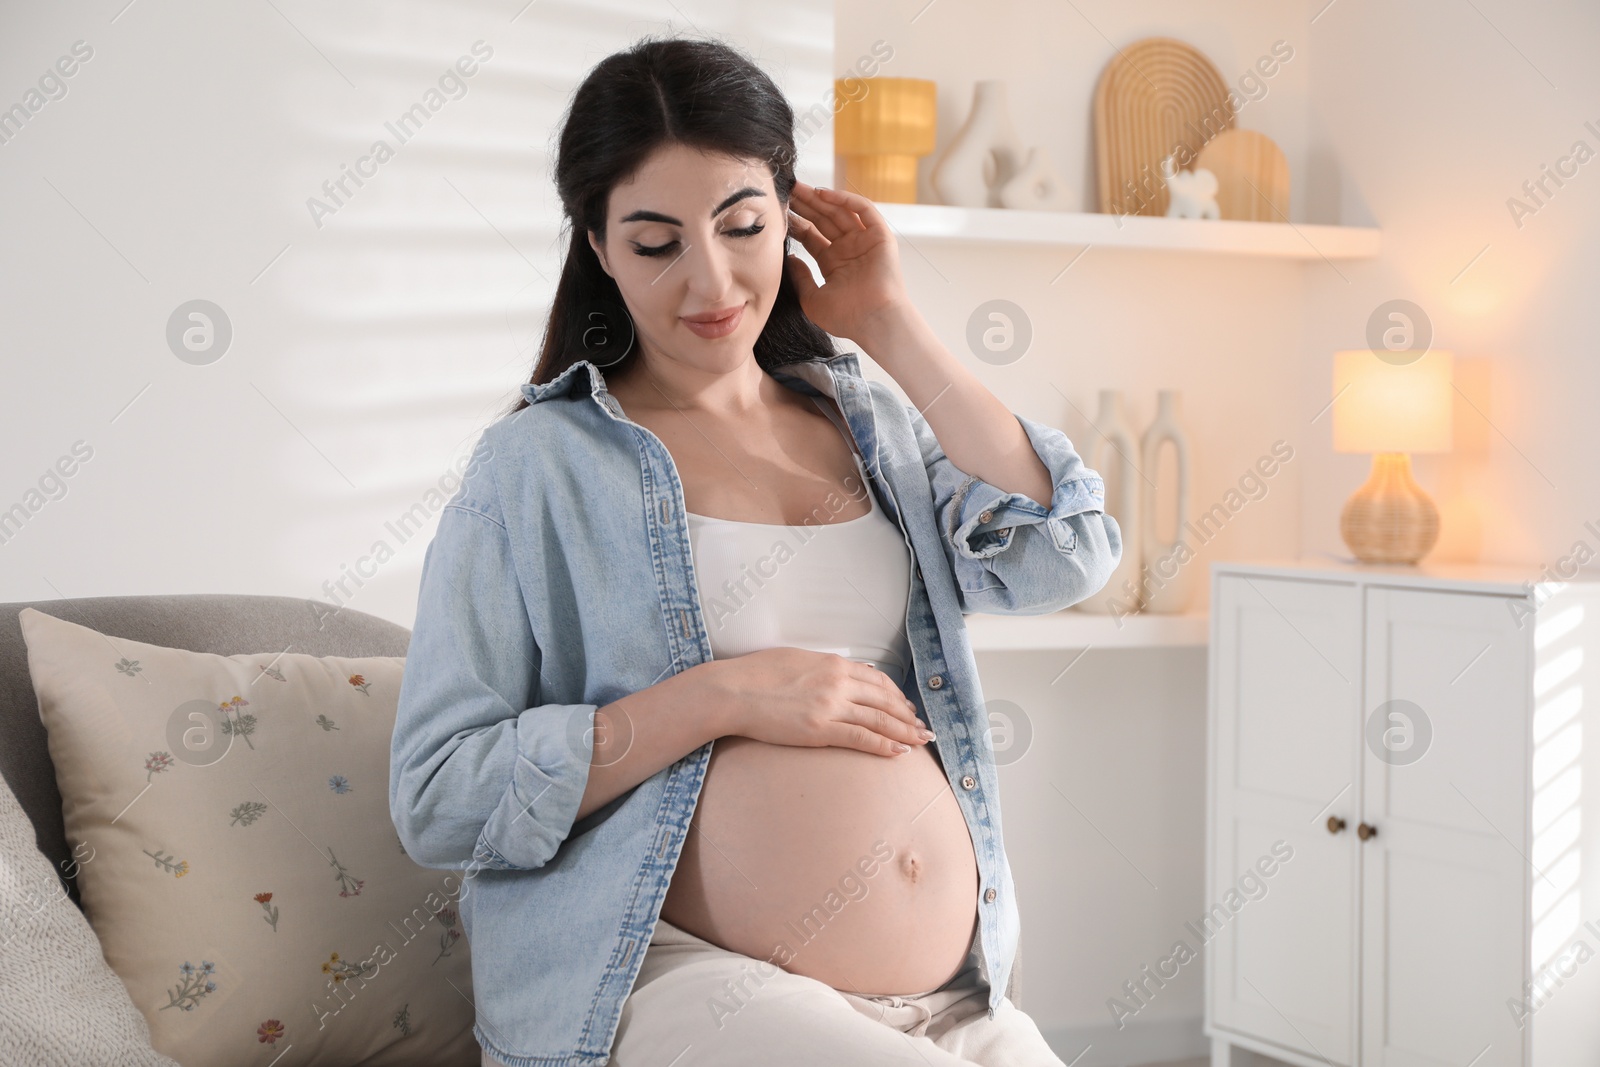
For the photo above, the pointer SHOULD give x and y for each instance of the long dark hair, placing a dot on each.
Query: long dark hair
(663, 90)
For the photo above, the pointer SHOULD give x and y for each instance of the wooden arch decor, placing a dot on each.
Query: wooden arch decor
(1156, 97)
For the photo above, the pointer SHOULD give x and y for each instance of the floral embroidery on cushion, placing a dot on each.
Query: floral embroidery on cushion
(271, 916)
(187, 993)
(127, 666)
(242, 726)
(402, 1020)
(326, 723)
(177, 870)
(248, 812)
(340, 969)
(360, 682)
(269, 1032)
(447, 919)
(272, 672)
(351, 887)
(339, 784)
(155, 763)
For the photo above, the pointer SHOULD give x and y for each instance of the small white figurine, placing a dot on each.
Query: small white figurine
(1191, 194)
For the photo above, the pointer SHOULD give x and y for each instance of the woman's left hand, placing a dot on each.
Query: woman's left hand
(858, 254)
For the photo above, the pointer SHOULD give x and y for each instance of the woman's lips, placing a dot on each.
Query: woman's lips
(717, 327)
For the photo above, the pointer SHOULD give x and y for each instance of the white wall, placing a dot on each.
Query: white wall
(367, 352)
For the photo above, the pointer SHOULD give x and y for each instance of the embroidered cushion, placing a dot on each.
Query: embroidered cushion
(237, 858)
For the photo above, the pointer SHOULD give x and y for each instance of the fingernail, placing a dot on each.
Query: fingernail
(926, 735)
(898, 747)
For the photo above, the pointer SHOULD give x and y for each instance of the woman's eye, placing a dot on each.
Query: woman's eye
(661, 250)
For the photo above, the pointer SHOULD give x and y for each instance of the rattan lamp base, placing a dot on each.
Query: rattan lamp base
(1389, 519)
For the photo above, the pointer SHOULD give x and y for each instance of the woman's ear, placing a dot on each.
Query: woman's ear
(600, 253)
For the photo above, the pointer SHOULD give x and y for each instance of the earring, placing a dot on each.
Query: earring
(607, 332)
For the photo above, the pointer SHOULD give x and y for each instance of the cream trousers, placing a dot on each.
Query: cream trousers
(695, 1004)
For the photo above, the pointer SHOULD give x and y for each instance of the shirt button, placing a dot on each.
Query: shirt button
(989, 895)
(967, 781)
(936, 682)
(985, 516)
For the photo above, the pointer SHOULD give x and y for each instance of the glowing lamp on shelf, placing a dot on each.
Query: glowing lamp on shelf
(1391, 404)
(880, 130)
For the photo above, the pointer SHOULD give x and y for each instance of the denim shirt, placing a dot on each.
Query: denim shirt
(560, 579)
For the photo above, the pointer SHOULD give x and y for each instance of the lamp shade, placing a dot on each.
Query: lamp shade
(1381, 406)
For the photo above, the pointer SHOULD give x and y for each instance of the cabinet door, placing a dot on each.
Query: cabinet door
(1446, 776)
(1284, 736)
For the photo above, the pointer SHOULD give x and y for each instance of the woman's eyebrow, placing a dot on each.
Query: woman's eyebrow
(643, 215)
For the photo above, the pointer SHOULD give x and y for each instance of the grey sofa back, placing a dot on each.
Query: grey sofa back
(222, 623)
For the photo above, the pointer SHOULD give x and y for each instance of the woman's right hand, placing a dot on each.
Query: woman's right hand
(794, 696)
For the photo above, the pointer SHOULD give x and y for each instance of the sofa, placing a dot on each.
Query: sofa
(219, 623)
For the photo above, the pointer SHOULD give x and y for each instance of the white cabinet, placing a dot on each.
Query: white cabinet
(1285, 657)
(1403, 865)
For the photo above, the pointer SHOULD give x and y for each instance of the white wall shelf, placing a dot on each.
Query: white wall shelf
(1061, 630)
(1282, 240)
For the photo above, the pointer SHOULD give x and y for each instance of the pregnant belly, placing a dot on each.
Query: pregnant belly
(853, 869)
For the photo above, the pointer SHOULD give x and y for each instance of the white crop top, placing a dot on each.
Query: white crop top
(838, 587)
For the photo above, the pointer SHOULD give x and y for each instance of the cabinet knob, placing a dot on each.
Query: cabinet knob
(1366, 830)
(1335, 824)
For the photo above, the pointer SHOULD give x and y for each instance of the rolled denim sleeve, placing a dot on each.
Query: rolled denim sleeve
(481, 773)
(1009, 555)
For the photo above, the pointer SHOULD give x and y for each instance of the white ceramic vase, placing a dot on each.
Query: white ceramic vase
(1114, 455)
(1169, 567)
(1037, 186)
(985, 153)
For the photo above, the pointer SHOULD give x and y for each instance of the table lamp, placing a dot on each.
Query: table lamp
(881, 129)
(1391, 405)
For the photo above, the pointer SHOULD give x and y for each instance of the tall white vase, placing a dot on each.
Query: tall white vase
(1114, 454)
(985, 153)
(1169, 574)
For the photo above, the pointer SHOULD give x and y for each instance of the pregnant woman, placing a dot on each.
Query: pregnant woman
(689, 696)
